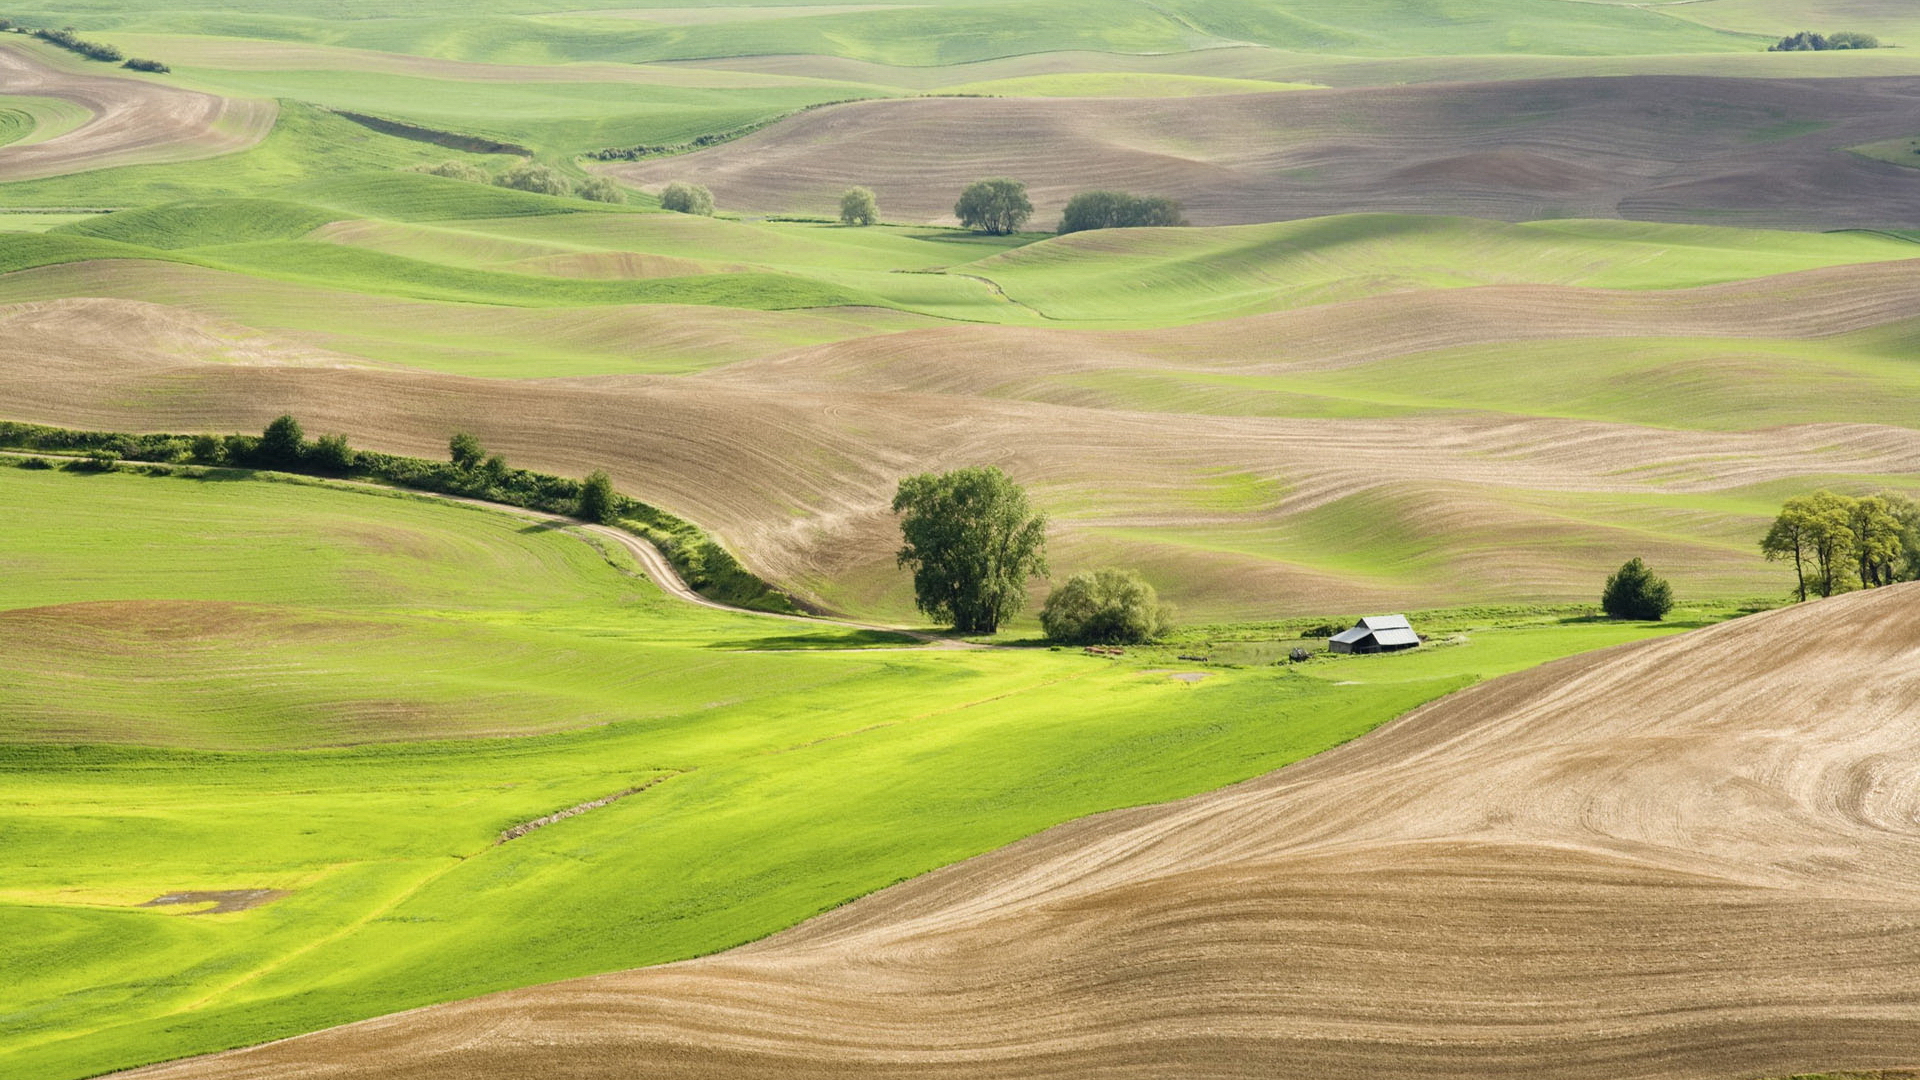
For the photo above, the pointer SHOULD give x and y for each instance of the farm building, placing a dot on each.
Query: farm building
(1376, 633)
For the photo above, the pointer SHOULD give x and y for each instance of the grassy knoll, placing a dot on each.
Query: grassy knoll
(298, 688)
(15, 124)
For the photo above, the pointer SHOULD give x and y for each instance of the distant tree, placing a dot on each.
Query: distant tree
(330, 453)
(1634, 592)
(996, 206)
(597, 500)
(1105, 607)
(684, 198)
(1851, 39)
(457, 170)
(859, 207)
(495, 469)
(465, 451)
(1816, 532)
(534, 177)
(972, 542)
(1118, 210)
(1877, 548)
(283, 444)
(1907, 513)
(601, 189)
(154, 66)
(1808, 41)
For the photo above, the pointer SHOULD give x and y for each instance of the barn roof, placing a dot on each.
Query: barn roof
(1396, 637)
(1385, 622)
(1358, 633)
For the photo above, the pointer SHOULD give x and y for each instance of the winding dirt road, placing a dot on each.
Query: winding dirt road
(135, 121)
(1691, 857)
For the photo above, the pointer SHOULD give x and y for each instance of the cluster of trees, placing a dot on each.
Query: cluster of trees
(685, 198)
(530, 176)
(1837, 542)
(1118, 210)
(972, 540)
(1808, 41)
(998, 206)
(66, 39)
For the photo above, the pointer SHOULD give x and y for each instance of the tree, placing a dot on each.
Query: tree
(209, 449)
(534, 177)
(283, 444)
(996, 206)
(465, 451)
(1877, 549)
(859, 207)
(1634, 592)
(1118, 210)
(1816, 532)
(330, 453)
(972, 542)
(687, 199)
(597, 500)
(1105, 607)
(601, 189)
(1907, 513)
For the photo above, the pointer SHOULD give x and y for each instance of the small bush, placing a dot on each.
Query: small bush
(209, 449)
(859, 207)
(1633, 592)
(601, 189)
(1105, 607)
(687, 199)
(534, 177)
(456, 170)
(465, 451)
(35, 463)
(239, 449)
(331, 454)
(597, 500)
(155, 66)
(100, 460)
(1325, 629)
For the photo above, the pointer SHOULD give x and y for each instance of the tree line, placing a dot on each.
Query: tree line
(530, 176)
(1837, 542)
(65, 38)
(1808, 41)
(999, 205)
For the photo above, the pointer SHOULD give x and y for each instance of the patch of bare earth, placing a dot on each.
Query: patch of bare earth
(1661, 148)
(217, 901)
(135, 121)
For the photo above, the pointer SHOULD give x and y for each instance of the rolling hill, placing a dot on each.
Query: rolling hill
(1690, 858)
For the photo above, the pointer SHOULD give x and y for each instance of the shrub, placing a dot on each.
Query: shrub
(92, 50)
(859, 207)
(239, 449)
(601, 189)
(684, 198)
(35, 463)
(100, 460)
(534, 177)
(1808, 41)
(1105, 607)
(330, 453)
(597, 501)
(154, 66)
(465, 451)
(1633, 592)
(996, 206)
(209, 449)
(1118, 210)
(282, 445)
(456, 170)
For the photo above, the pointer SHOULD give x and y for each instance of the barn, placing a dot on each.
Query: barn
(1376, 633)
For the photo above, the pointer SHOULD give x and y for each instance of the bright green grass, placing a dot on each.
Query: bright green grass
(202, 223)
(1146, 276)
(16, 221)
(28, 120)
(15, 124)
(262, 617)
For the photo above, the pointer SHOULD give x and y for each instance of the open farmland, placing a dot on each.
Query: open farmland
(1689, 858)
(1473, 301)
(374, 686)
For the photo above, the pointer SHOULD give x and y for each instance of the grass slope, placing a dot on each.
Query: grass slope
(264, 625)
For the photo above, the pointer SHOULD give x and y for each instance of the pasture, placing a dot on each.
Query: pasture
(344, 697)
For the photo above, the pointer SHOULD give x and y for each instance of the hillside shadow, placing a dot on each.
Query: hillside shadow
(821, 640)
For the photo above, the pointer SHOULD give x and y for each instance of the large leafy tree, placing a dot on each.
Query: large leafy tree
(1816, 532)
(995, 205)
(972, 541)
(1105, 607)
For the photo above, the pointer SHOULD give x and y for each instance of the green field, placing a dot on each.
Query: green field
(306, 689)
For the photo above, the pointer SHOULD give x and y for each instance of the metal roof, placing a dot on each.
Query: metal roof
(1358, 633)
(1385, 622)
(1396, 637)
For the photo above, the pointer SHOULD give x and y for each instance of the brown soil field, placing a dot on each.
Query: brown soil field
(1758, 152)
(793, 460)
(1687, 858)
(135, 121)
